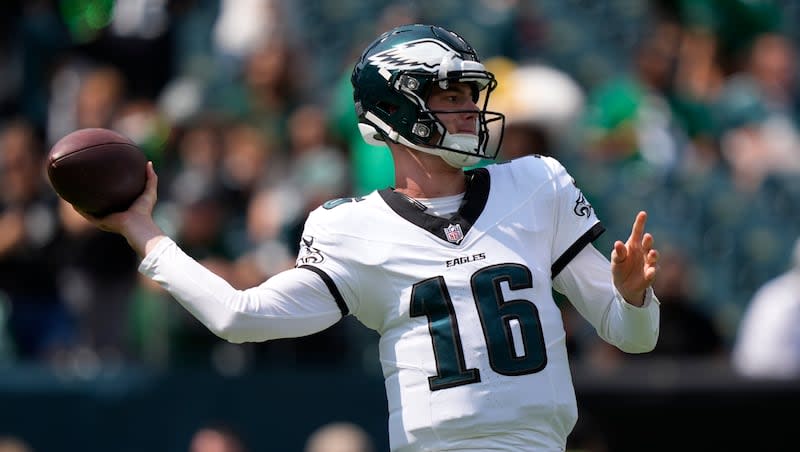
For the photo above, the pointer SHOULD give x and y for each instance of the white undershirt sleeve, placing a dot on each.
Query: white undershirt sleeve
(293, 303)
(586, 282)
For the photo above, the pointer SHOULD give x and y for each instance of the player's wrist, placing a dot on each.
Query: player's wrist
(142, 235)
(635, 298)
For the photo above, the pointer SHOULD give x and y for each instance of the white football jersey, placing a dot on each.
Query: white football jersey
(472, 344)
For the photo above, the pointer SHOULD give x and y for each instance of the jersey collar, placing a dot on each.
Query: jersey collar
(445, 229)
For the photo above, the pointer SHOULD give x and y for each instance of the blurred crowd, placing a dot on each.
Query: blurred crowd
(686, 109)
(336, 436)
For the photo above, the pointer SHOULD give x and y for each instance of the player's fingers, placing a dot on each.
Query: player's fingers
(150, 194)
(638, 227)
(152, 177)
(647, 241)
(650, 274)
(652, 257)
(619, 253)
(91, 219)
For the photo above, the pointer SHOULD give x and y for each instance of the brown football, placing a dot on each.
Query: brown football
(100, 171)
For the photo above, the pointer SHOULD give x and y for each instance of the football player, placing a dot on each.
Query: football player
(453, 268)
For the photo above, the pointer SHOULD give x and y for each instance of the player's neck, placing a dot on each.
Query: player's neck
(420, 175)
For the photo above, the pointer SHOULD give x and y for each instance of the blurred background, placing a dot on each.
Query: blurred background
(688, 109)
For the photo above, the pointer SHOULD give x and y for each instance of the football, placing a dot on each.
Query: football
(99, 171)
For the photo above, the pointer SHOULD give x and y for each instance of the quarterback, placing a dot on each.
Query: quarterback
(453, 268)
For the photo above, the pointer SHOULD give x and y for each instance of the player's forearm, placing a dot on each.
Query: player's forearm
(587, 283)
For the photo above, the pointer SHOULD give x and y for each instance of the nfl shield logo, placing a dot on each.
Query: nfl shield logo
(453, 233)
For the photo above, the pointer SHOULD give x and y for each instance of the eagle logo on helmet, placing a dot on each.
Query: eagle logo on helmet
(420, 54)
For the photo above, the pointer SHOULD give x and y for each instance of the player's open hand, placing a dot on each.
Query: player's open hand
(634, 263)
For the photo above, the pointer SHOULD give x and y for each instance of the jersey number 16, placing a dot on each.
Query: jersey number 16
(431, 298)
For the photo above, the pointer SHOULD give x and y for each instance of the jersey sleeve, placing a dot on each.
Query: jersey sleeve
(329, 256)
(293, 303)
(576, 223)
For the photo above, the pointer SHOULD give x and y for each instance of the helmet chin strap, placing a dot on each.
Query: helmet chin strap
(459, 141)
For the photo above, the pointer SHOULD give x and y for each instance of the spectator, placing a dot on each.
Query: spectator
(83, 94)
(698, 80)
(269, 251)
(101, 93)
(268, 86)
(216, 438)
(758, 129)
(318, 170)
(768, 340)
(97, 285)
(339, 437)
(13, 444)
(40, 323)
(629, 118)
(194, 166)
(686, 330)
(42, 41)
(543, 105)
(247, 160)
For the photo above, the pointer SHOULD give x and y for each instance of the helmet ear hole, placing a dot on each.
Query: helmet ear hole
(371, 134)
